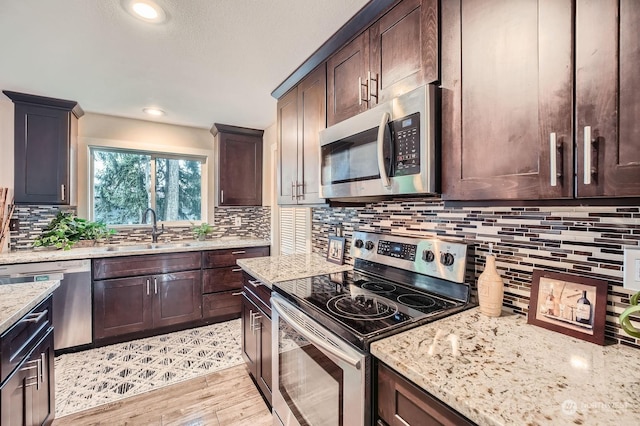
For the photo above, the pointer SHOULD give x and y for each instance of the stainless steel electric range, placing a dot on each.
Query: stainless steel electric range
(323, 325)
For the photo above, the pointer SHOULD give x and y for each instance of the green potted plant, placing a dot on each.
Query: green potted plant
(65, 230)
(201, 231)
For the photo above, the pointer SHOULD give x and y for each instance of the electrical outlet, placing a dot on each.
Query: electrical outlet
(238, 221)
(14, 225)
(631, 268)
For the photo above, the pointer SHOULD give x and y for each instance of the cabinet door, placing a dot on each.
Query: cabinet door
(403, 46)
(15, 398)
(506, 98)
(240, 168)
(402, 403)
(121, 306)
(287, 147)
(222, 306)
(312, 112)
(249, 340)
(608, 98)
(344, 69)
(177, 298)
(43, 405)
(264, 376)
(42, 154)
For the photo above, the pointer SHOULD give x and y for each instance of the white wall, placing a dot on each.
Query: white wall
(6, 143)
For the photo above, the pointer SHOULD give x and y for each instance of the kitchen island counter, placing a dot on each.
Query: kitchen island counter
(126, 249)
(501, 371)
(16, 300)
(275, 269)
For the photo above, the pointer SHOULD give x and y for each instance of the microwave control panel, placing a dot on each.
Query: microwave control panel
(406, 134)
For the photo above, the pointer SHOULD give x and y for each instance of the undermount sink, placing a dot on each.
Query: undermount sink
(148, 246)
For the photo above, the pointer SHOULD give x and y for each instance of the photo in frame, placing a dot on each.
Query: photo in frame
(335, 251)
(569, 304)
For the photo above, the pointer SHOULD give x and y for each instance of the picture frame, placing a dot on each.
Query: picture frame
(569, 304)
(335, 250)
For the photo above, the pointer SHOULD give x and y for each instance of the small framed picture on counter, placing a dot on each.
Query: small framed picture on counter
(569, 304)
(335, 252)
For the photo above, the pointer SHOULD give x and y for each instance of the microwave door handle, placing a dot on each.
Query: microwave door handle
(381, 130)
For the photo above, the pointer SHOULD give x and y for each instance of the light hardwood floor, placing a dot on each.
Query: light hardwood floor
(227, 397)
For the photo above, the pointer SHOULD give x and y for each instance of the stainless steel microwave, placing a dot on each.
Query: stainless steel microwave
(387, 150)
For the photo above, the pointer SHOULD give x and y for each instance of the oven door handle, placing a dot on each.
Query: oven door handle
(313, 338)
(381, 131)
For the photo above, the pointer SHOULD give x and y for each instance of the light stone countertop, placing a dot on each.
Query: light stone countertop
(16, 300)
(45, 255)
(509, 372)
(275, 269)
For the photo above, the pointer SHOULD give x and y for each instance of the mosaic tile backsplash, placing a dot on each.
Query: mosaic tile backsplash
(586, 241)
(256, 222)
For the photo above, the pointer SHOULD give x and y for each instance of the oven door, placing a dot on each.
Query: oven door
(318, 378)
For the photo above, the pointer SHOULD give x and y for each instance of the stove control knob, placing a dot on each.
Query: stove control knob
(447, 259)
(359, 243)
(428, 256)
(369, 245)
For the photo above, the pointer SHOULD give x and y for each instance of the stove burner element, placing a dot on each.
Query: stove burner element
(379, 287)
(360, 307)
(414, 300)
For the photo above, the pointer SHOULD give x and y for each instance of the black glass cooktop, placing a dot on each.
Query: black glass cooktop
(360, 307)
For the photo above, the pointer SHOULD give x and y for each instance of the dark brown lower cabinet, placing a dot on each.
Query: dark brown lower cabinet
(136, 304)
(256, 336)
(401, 403)
(27, 396)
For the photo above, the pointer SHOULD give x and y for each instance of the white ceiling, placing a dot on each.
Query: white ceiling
(211, 61)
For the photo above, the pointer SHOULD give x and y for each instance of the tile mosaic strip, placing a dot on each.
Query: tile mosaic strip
(585, 241)
(99, 376)
(256, 222)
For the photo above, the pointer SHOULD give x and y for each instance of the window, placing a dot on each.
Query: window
(126, 183)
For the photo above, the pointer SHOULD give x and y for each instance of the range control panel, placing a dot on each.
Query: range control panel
(398, 250)
(433, 257)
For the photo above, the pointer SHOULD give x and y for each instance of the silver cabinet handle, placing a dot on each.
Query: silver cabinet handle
(300, 194)
(257, 326)
(37, 365)
(221, 196)
(62, 187)
(148, 286)
(236, 270)
(587, 155)
(239, 252)
(251, 319)
(43, 362)
(35, 317)
(240, 293)
(359, 90)
(293, 190)
(155, 285)
(553, 160)
(370, 83)
(383, 172)
(255, 283)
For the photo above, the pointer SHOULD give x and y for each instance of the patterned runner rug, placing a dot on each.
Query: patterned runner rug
(98, 376)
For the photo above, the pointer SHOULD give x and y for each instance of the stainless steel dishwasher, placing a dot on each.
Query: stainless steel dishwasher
(72, 318)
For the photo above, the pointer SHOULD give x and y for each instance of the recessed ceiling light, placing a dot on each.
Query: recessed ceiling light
(156, 112)
(146, 10)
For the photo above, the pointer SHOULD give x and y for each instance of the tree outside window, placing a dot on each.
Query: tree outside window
(126, 183)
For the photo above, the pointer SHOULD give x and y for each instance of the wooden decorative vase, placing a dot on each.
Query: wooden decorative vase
(490, 289)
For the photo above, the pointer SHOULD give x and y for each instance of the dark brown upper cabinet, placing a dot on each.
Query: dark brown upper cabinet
(608, 98)
(396, 54)
(239, 165)
(301, 116)
(508, 102)
(507, 99)
(46, 140)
